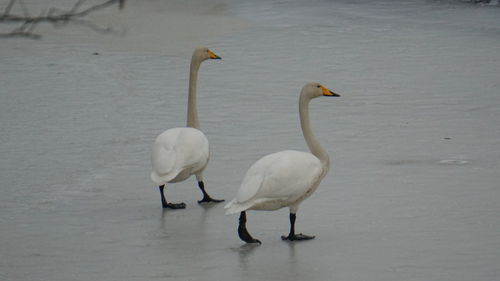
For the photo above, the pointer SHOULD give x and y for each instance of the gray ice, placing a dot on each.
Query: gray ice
(413, 192)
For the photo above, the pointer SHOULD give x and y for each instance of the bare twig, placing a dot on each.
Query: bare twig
(14, 34)
(9, 7)
(53, 16)
(76, 6)
(25, 10)
(95, 8)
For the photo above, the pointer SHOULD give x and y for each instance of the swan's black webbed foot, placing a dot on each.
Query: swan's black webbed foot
(243, 232)
(245, 236)
(181, 205)
(297, 237)
(292, 236)
(206, 197)
(167, 205)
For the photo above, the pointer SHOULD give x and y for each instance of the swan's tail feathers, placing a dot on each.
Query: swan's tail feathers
(155, 178)
(158, 179)
(234, 207)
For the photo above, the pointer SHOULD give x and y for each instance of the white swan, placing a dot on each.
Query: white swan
(285, 178)
(179, 153)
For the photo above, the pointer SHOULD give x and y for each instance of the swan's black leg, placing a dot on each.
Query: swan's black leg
(165, 204)
(292, 236)
(206, 197)
(243, 232)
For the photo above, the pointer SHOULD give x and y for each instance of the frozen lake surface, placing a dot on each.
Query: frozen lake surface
(413, 192)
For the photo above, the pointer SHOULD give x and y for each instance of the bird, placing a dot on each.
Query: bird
(181, 152)
(285, 178)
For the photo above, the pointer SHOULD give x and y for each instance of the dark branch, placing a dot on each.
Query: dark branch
(53, 16)
(9, 7)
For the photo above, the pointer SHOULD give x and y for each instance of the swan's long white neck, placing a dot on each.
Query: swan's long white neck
(192, 110)
(313, 144)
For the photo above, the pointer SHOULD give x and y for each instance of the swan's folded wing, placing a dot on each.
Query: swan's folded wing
(192, 148)
(249, 187)
(282, 175)
(163, 160)
(257, 178)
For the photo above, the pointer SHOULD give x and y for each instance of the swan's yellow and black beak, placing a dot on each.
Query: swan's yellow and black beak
(328, 93)
(213, 56)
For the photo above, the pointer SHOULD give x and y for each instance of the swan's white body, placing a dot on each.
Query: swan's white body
(281, 179)
(179, 153)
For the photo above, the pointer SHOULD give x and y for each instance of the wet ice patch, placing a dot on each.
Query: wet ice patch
(453, 162)
(404, 162)
(400, 162)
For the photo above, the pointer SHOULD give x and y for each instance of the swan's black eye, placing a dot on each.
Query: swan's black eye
(319, 86)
